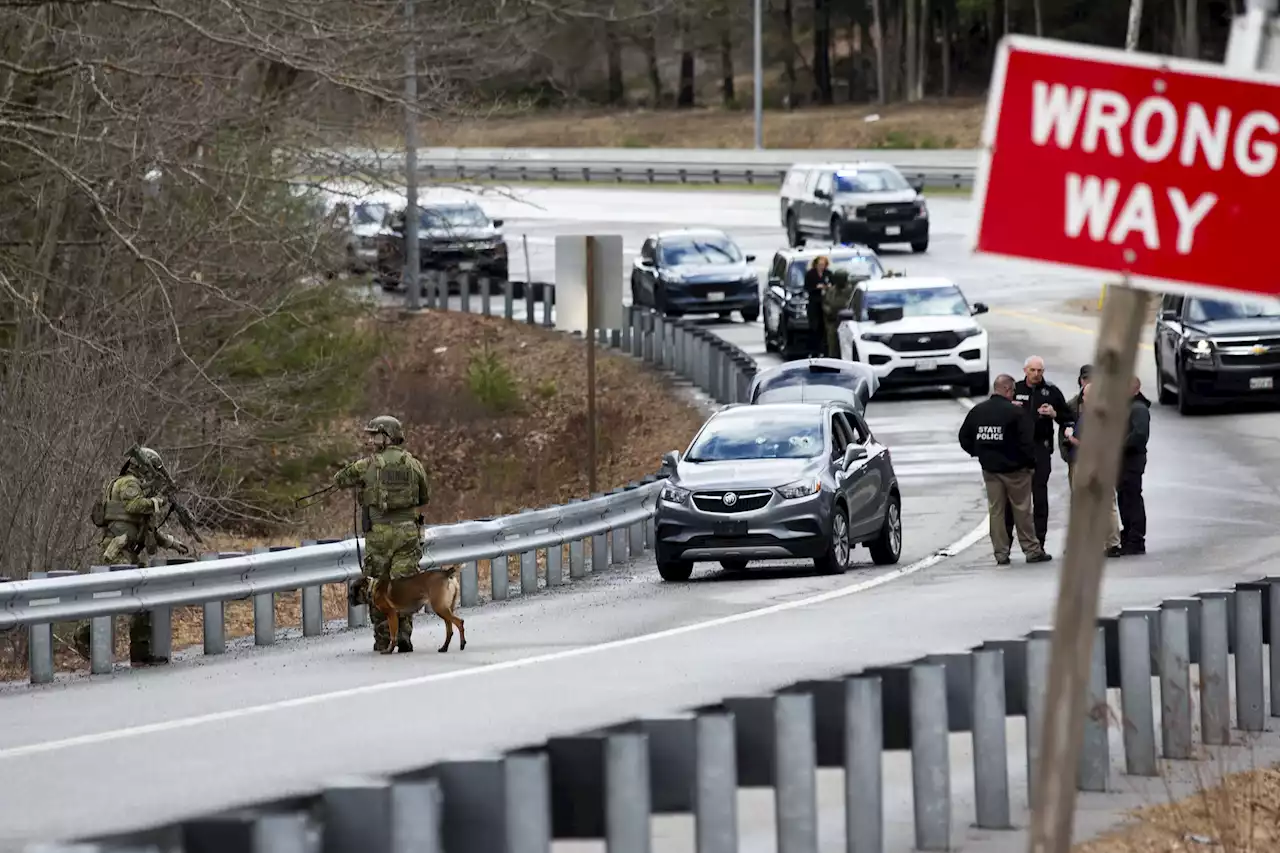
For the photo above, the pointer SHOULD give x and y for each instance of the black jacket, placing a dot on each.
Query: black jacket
(1032, 399)
(812, 278)
(998, 433)
(1135, 443)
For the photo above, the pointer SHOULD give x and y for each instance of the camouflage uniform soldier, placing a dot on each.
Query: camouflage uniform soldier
(393, 485)
(128, 513)
(835, 300)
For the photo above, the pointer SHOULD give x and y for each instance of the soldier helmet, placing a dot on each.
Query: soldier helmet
(388, 426)
(151, 456)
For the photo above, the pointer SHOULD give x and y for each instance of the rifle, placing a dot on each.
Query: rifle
(170, 491)
(298, 501)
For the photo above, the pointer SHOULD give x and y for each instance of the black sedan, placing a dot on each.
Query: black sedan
(1212, 349)
(695, 271)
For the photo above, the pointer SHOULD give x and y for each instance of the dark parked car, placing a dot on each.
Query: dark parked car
(695, 271)
(1212, 349)
(456, 236)
(786, 321)
(779, 481)
(816, 380)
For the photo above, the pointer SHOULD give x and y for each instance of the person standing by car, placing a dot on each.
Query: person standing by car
(1072, 440)
(834, 300)
(1073, 407)
(1133, 464)
(1042, 403)
(999, 435)
(816, 280)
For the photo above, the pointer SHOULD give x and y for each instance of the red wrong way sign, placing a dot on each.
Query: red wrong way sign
(1117, 162)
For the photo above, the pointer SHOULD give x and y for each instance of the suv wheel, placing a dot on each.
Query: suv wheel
(794, 237)
(836, 560)
(920, 246)
(835, 231)
(886, 548)
(750, 315)
(675, 571)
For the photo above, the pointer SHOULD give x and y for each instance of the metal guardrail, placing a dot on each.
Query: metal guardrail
(938, 168)
(610, 527)
(606, 783)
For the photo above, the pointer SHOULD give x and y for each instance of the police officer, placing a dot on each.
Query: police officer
(1044, 404)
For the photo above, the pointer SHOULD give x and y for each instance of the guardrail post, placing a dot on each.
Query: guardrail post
(470, 581)
(646, 353)
(618, 546)
(1175, 680)
(628, 318)
(1250, 699)
(930, 756)
(379, 816)
(1037, 680)
(715, 782)
(726, 376)
(486, 295)
(555, 564)
(637, 334)
(599, 552)
(465, 283)
(530, 315)
(635, 535)
(528, 572)
(161, 623)
(1135, 691)
(990, 747)
(496, 804)
(651, 532)
(101, 634)
(1273, 642)
(578, 559)
(548, 299)
(863, 765)
(40, 646)
(215, 626)
(508, 299)
(312, 606)
(1215, 677)
(660, 342)
(264, 613)
(1095, 754)
(499, 579)
(248, 831)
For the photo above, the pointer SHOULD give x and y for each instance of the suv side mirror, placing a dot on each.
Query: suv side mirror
(844, 314)
(979, 308)
(497, 223)
(821, 194)
(852, 454)
(750, 258)
(670, 460)
(916, 184)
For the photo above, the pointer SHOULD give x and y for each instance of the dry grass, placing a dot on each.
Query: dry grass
(952, 123)
(1241, 813)
(481, 462)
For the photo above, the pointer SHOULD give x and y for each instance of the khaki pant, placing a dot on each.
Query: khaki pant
(1113, 535)
(1016, 489)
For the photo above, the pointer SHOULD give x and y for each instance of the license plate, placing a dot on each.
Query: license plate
(730, 528)
(466, 265)
(1261, 383)
(927, 364)
(715, 297)
(891, 230)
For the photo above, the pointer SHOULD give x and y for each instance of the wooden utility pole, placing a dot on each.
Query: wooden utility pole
(591, 365)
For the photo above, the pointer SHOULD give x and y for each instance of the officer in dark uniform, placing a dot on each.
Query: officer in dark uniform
(1044, 403)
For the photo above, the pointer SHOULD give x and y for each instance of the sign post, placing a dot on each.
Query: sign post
(1149, 168)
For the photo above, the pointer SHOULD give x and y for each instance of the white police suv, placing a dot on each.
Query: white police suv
(916, 331)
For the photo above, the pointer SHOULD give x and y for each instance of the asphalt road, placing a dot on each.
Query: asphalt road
(135, 749)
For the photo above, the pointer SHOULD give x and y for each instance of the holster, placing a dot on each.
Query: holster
(366, 522)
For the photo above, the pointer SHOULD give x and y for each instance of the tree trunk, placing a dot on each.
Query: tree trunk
(946, 51)
(1038, 6)
(789, 58)
(877, 38)
(685, 97)
(855, 57)
(651, 65)
(926, 31)
(822, 51)
(1191, 47)
(613, 53)
(911, 43)
(726, 64)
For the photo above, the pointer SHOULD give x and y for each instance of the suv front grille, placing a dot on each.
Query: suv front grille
(904, 211)
(924, 341)
(745, 502)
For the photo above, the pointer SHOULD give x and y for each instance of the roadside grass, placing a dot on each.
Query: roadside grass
(496, 411)
(931, 124)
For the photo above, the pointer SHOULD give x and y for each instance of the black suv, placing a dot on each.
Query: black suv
(869, 203)
(786, 319)
(1216, 349)
(457, 236)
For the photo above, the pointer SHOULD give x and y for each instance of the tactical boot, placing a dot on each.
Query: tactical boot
(404, 646)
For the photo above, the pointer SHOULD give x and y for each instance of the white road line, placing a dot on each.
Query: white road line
(964, 542)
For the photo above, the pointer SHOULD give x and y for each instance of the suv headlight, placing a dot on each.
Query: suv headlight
(1199, 347)
(876, 337)
(674, 494)
(800, 489)
(962, 334)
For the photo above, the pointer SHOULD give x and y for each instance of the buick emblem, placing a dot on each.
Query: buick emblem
(729, 499)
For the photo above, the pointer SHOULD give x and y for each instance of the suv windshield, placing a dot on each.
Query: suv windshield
(702, 249)
(448, 218)
(806, 376)
(919, 302)
(870, 181)
(1203, 310)
(857, 266)
(368, 213)
(788, 436)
